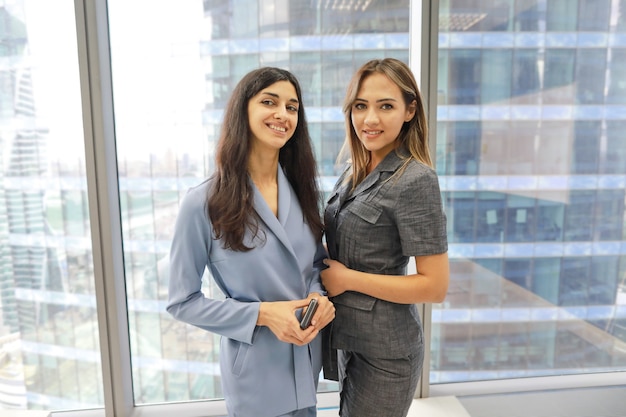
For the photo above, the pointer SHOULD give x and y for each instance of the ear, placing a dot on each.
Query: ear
(410, 111)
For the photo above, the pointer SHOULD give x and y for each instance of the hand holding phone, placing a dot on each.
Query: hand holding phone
(308, 314)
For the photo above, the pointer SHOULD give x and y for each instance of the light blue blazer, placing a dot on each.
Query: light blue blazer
(261, 376)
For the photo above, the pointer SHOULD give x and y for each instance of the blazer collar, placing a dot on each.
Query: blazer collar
(275, 224)
(391, 163)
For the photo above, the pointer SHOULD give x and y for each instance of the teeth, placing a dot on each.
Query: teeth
(278, 128)
(372, 132)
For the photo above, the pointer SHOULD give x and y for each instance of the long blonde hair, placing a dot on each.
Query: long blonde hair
(414, 134)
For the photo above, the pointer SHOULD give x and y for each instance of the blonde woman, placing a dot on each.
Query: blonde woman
(385, 209)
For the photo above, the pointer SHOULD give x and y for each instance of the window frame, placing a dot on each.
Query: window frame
(104, 210)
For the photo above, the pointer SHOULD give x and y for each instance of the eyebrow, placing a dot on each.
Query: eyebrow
(293, 100)
(377, 101)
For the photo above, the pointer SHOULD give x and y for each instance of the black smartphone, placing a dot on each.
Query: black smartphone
(308, 314)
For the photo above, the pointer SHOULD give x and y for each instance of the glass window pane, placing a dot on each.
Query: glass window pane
(590, 64)
(49, 343)
(531, 159)
(586, 147)
(526, 78)
(561, 15)
(595, 15)
(527, 13)
(472, 15)
(559, 76)
(615, 160)
(495, 80)
(171, 82)
(464, 76)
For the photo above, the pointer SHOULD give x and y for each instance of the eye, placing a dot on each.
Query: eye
(268, 102)
(359, 106)
(386, 106)
(292, 108)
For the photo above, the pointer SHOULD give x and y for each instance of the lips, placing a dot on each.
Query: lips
(372, 132)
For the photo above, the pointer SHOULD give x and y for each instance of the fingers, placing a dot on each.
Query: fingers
(302, 303)
(297, 336)
(307, 335)
(325, 313)
(285, 323)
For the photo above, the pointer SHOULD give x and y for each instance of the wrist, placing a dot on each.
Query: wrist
(352, 281)
(260, 320)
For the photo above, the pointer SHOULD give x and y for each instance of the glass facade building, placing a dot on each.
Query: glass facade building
(529, 143)
(530, 121)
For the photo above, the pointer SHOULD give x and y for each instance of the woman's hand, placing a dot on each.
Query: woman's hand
(334, 278)
(280, 317)
(325, 311)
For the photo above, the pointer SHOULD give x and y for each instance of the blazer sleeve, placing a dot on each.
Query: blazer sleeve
(318, 266)
(420, 218)
(189, 256)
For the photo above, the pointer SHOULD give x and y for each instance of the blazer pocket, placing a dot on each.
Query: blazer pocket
(365, 211)
(240, 358)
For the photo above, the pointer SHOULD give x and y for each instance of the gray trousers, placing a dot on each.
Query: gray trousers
(374, 387)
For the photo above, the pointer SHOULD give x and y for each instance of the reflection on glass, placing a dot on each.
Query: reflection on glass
(531, 153)
(49, 349)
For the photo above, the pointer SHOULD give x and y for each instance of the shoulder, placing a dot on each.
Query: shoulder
(194, 201)
(417, 174)
(202, 188)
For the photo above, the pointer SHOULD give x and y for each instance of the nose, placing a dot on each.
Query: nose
(280, 113)
(371, 117)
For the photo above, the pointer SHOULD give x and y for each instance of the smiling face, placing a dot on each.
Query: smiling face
(273, 116)
(378, 114)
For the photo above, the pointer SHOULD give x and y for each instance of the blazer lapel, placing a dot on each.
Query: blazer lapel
(344, 193)
(275, 225)
(387, 167)
(284, 197)
(365, 185)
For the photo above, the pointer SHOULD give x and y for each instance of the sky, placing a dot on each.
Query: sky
(158, 79)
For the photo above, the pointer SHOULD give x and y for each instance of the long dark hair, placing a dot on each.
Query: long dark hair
(229, 201)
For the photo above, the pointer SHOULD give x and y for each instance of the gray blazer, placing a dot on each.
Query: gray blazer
(261, 376)
(395, 213)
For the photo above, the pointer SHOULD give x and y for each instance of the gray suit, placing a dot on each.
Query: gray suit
(377, 228)
(261, 376)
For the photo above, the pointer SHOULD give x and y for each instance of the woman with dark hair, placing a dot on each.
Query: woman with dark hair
(255, 225)
(385, 209)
